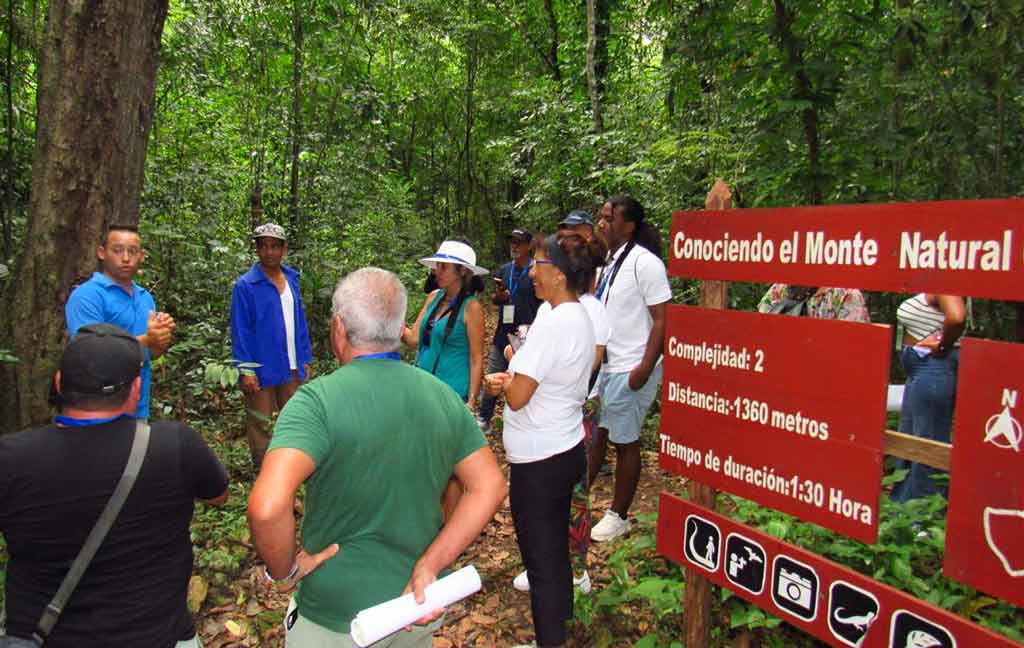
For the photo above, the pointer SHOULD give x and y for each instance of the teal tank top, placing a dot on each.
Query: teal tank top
(446, 359)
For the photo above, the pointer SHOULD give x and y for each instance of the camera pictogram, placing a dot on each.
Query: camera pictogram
(795, 587)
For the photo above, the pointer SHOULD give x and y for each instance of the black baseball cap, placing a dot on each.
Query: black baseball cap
(101, 360)
(520, 235)
(577, 217)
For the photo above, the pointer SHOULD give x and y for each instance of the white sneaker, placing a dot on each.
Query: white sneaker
(582, 583)
(521, 582)
(610, 527)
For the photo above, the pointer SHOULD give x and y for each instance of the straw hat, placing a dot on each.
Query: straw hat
(454, 252)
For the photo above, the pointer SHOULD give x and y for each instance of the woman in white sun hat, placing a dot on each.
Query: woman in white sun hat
(449, 331)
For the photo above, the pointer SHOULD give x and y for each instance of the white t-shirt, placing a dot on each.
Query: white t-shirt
(596, 313)
(558, 354)
(640, 282)
(288, 310)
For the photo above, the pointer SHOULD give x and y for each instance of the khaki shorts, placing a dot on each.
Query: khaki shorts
(300, 632)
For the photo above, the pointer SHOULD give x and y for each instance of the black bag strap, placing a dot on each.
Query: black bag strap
(448, 326)
(99, 531)
(615, 271)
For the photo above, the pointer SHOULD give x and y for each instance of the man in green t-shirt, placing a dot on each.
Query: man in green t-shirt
(375, 442)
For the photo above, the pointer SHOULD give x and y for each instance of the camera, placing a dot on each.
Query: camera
(791, 587)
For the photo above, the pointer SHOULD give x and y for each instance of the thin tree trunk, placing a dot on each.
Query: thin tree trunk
(466, 191)
(597, 58)
(556, 70)
(904, 62)
(802, 90)
(95, 106)
(297, 35)
(7, 215)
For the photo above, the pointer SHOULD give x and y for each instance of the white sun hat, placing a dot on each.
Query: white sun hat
(454, 252)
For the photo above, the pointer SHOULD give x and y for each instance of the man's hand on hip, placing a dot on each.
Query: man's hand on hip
(638, 377)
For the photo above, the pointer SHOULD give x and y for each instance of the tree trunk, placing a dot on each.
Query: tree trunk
(556, 69)
(7, 213)
(597, 58)
(802, 90)
(95, 106)
(904, 49)
(297, 35)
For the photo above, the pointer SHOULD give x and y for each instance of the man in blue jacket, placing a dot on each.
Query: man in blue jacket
(268, 329)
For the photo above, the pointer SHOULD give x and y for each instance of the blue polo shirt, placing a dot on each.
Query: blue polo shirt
(257, 326)
(102, 300)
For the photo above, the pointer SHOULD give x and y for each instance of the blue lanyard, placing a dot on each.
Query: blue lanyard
(389, 355)
(604, 282)
(608, 278)
(514, 286)
(67, 421)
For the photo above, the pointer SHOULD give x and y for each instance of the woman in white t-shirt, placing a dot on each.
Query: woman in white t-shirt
(545, 387)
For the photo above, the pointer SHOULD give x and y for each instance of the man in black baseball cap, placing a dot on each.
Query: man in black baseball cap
(99, 366)
(56, 479)
(517, 306)
(519, 235)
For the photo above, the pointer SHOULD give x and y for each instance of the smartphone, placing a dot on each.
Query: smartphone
(515, 341)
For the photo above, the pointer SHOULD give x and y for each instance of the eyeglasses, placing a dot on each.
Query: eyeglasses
(544, 261)
(120, 250)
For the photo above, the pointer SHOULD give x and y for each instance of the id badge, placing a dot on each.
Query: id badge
(508, 314)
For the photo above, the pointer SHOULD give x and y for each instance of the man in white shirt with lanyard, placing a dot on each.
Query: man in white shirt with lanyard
(634, 288)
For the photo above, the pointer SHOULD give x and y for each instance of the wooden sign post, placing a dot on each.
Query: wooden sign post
(697, 597)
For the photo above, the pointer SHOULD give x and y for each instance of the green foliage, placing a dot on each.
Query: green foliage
(638, 575)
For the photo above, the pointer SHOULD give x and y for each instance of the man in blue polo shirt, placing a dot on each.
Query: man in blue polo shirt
(268, 329)
(111, 297)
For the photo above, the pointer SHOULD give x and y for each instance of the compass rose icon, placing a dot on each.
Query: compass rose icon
(1003, 431)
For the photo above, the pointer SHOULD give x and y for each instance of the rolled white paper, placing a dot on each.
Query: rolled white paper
(377, 622)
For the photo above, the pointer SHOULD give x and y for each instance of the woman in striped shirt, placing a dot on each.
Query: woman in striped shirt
(932, 326)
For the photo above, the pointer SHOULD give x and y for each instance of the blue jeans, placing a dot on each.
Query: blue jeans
(927, 413)
(495, 362)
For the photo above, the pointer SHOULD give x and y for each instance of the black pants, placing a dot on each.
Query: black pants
(540, 495)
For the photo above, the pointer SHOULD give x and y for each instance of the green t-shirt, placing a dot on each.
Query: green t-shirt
(385, 437)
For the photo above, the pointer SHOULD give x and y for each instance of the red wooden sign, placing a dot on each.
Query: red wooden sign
(831, 602)
(957, 247)
(786, 411)
(985, 523)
